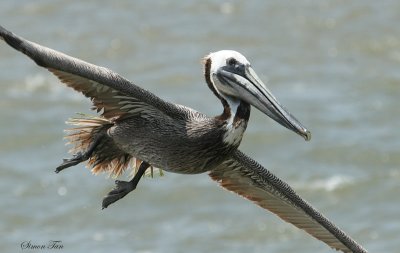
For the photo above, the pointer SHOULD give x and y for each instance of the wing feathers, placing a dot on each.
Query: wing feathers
(98, 83)
(247, 178)
(111, 102)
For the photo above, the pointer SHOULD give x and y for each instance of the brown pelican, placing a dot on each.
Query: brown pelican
(136, 124)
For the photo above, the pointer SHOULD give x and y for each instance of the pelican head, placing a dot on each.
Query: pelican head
(230, 76)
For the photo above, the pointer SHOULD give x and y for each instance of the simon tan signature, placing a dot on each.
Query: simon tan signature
(52, 244)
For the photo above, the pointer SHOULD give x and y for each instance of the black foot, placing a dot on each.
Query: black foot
(122, 188)
(81, 157)
(77, 158)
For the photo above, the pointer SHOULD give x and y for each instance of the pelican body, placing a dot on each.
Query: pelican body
(134, 124)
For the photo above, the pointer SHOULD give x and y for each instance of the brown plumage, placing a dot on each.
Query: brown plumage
(106, 157)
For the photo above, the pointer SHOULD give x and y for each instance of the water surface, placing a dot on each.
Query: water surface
(334, 64)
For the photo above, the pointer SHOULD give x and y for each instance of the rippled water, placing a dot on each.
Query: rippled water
(334, 64)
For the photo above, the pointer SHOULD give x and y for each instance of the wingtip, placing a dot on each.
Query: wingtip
(10, 38)
(3, 33)
(2, 30)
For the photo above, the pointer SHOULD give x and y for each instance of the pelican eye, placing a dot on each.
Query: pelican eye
(231, 61)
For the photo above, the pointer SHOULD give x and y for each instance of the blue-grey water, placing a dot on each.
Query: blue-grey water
(334, 64)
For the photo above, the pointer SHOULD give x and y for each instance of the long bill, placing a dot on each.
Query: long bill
(249, 87)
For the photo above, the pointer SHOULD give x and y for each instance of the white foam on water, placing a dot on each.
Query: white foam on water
(62, 191)
(42, 83)
(327, 184)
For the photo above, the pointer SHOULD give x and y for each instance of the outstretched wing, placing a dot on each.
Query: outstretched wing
(246, 177)
(112, 94)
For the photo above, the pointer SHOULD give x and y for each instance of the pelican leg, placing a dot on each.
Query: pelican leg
(122, 188)
(80, 156)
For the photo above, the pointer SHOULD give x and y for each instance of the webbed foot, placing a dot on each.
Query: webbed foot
(76, 158)
(122, 188)
(80, 156)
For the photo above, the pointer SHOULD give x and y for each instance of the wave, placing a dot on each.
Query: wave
(41, 84)
(327, 184)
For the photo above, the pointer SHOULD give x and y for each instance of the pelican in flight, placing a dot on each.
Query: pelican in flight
(134, 124)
